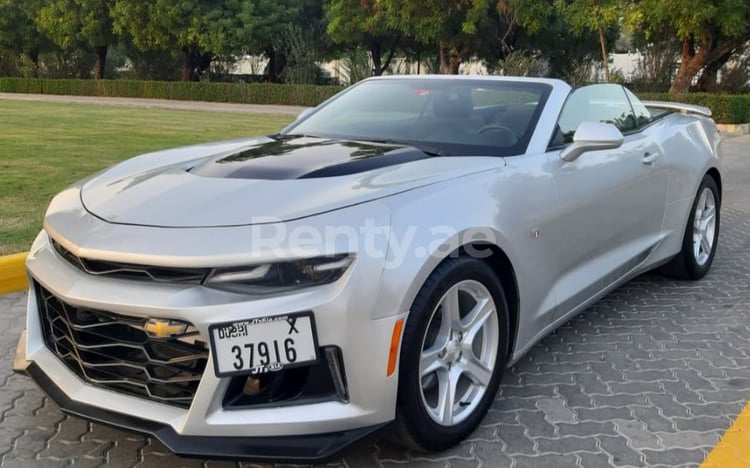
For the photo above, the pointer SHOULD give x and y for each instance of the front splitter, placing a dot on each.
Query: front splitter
(312, 448)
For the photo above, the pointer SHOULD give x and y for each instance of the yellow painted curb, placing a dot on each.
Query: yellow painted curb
(13, 273)
(734, 129)
(733, 450)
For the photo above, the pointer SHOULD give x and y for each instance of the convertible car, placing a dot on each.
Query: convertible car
(378, 262)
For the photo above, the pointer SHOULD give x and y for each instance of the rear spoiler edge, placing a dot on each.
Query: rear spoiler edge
(679, 107)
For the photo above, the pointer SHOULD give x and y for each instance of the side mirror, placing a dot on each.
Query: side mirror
(592, 136)
(305, 113)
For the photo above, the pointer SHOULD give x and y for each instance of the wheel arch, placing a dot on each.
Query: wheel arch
(503, 268)
(716, 176)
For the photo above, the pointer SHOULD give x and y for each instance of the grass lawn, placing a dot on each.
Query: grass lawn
(44, 147)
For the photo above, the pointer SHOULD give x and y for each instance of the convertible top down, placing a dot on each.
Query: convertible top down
(381, 260)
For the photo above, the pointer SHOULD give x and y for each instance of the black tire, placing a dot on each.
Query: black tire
(686, 265)
(415, 428)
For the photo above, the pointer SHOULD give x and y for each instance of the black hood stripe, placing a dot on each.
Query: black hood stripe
(286, 158)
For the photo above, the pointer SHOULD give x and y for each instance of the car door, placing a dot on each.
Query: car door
(611, 202)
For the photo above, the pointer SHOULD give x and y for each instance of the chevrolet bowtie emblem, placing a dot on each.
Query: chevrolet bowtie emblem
(159, 328)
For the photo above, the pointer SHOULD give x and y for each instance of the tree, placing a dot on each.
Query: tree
(566, 55)
(591, 15)
(710, 32)
(265, 23)
(262, 25)
(721, 53)
(18, 33)
(658, 56)
(522, 17)
(79, 23)
(452, 25)
(303, 47)
(196, 28)
(362, 23)
(512, 35)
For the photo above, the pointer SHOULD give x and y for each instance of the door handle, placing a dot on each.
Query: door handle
(649, 157)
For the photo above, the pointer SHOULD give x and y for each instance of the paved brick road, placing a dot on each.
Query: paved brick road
(650, 376)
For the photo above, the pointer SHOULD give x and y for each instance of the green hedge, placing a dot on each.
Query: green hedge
(244, 93)
(726, 108)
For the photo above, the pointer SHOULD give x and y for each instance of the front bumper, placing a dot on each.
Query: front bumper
(304, 432)
(314, 448)
(349, 315)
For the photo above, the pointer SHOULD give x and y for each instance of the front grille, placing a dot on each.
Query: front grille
(132, 271)
(113, 351)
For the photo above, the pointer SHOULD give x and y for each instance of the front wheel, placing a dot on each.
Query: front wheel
(452, 355)
(701, 234)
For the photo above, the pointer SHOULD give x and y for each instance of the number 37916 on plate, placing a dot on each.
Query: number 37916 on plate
(264, 344)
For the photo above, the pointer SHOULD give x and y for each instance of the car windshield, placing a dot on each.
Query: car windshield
(440, 116)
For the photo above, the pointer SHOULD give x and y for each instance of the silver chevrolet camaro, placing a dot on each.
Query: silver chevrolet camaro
(384, 258)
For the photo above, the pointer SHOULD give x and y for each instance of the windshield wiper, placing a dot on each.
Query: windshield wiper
(429, 150)
(426, 149)
(293, 135)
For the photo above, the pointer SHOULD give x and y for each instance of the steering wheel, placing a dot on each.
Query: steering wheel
(496, 127)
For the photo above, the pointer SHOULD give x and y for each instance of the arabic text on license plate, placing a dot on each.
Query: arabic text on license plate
(264, 344)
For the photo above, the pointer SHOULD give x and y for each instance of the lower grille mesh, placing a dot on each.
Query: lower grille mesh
(113, 351)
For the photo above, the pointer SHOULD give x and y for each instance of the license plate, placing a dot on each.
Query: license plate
(264, 344)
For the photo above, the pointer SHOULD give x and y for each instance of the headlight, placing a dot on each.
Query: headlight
(280, 277)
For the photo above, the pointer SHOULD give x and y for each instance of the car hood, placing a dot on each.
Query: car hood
(256, 181)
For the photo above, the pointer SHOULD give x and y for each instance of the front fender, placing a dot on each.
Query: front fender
(432, 223)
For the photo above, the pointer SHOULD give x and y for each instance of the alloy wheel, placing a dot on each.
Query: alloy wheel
(459, 352)
(704, 226)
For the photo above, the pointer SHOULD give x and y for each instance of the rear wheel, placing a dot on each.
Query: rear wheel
(452, 355)
(701, 234)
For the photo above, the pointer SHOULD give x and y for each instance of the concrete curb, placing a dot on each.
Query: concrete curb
(734, 129)
(13, 273)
